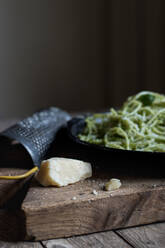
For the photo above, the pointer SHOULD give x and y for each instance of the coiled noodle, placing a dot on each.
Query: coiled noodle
(139, 125)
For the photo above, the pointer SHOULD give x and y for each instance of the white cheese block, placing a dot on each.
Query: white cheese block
(113, 184)
(63, 171)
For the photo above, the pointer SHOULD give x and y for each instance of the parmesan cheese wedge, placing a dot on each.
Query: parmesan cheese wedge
(63, 171)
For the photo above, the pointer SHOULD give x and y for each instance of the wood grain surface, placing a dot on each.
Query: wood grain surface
(52, 213)
(149, 236)
(98, 240)
(9, 187)
(20, 245)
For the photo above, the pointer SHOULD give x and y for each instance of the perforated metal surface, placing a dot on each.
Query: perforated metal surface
(36, 133)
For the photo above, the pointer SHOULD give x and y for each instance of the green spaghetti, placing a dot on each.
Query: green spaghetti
(139, 125)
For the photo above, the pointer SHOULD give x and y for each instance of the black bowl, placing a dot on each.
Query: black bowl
(114, 157)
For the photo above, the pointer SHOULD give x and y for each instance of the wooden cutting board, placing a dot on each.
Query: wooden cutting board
(62, 212)
(52, 212)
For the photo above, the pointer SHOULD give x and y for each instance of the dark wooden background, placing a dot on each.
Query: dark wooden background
(135, 48)
(78, 54)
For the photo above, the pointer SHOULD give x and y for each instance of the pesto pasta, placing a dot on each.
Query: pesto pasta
(139, 125)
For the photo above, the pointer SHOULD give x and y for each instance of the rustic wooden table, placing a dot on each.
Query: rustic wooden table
(146, 236)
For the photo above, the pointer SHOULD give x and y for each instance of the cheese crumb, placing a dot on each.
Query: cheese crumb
(63, 171)
(154, 185)
(112, 184)
(95, 192)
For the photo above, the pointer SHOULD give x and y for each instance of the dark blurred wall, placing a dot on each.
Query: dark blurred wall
(78, 54)
(51, 53)
(136, 48)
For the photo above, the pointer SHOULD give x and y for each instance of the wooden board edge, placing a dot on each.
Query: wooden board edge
(13, 225)
(96, 215)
